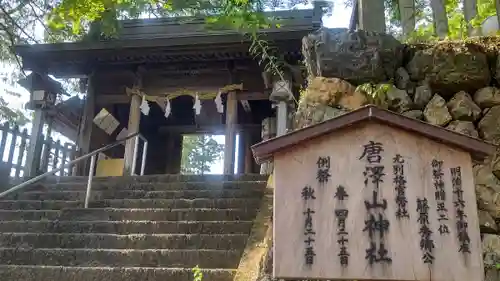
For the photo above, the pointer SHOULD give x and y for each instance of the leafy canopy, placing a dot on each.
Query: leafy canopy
(199, 153)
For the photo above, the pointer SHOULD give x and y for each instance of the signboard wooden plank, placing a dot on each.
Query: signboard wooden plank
(372, 201)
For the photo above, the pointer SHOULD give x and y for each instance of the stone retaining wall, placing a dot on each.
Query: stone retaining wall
(449, 84)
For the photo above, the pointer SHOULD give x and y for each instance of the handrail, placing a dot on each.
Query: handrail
(92, 154)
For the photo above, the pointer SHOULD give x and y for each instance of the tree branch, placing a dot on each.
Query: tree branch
(17, 25)
(38, 18)
(13, 43)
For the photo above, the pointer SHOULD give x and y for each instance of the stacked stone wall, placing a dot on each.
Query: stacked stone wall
(449, 84)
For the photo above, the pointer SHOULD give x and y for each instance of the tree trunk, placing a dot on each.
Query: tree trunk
(407, 11)
(440, 18)
(371, 15)
(470, 12)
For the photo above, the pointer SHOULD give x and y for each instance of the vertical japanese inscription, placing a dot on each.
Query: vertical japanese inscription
(399, 181)
(426, 242)
(307, 195)
(376, 222)
(440, 196)
(341, 213)
(459, 203)
(323, 173)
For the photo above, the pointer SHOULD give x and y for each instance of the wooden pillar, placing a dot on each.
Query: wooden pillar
(174, 153)
(230, 139)
(86, 125)
(371, 15)
(35, 144)
(134, 120)
(249, 163)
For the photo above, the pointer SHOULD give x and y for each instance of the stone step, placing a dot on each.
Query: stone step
(112, 185)
(74, 195)
(131, 241)
(39, 204)
(162, 178)
(128, 227)
(224, 203)
(53, 273)
(130, 258)
(130, 214)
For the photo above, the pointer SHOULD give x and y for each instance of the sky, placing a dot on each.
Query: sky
(339, 18)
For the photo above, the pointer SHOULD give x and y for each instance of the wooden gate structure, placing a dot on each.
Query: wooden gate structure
(158, 59)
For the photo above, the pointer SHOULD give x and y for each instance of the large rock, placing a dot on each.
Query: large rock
(483, 176)
(423, 95)
(436, 112)
(486, 222)
(310, 114)
(463, 127)
(488, 200)
(450, 67)
(487, 97)
(402, 78)
(334, 92)
(490, 274)
(495, 166)
(491, 256)
(326, 98)
(461, 107)
(398, 100)
(415, 114)
(489, 126)
(356, 56)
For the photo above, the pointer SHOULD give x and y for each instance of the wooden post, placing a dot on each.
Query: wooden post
(230, 140)
(35, 145)
(247, 136)
(134, 119)
(174, 153)
(86, 124)
(371, 15)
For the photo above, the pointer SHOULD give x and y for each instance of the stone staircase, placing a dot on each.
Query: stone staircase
(150, 228)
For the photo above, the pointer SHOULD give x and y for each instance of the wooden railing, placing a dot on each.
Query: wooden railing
(14, 144)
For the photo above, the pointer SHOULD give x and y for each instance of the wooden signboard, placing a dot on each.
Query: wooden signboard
(373, 195)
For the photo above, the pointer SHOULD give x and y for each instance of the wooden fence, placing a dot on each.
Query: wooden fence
(14, 144)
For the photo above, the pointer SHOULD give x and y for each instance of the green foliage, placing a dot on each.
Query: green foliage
(485, 9)
(197, 274)
(199, 152)
(457, 25)
(377, 93)
(7, 113)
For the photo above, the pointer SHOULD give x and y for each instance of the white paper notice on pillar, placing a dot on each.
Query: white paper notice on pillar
(144, 106)
(370, 201)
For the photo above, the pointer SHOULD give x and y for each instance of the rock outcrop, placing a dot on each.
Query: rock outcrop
(448, 84)
(356, 56)
(450, 68)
